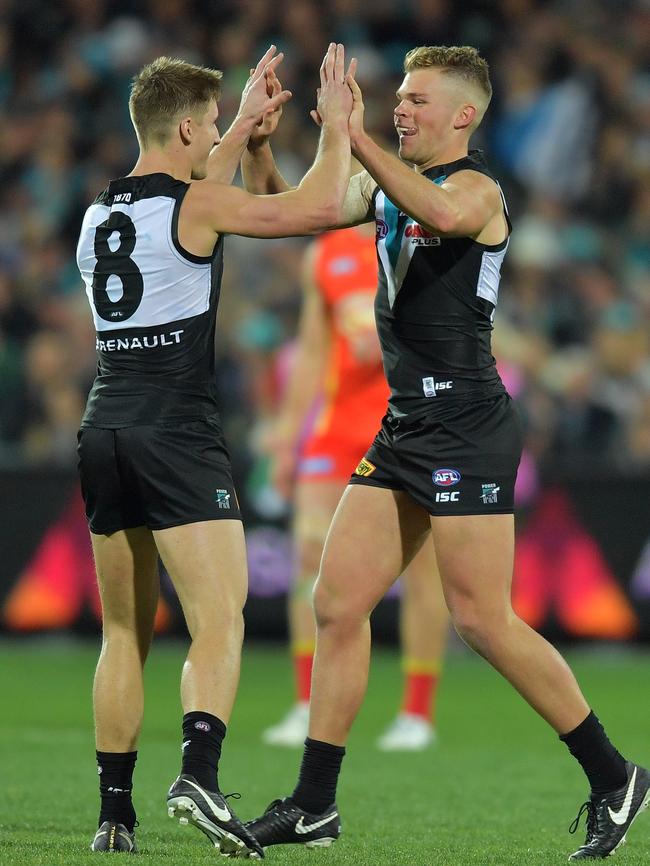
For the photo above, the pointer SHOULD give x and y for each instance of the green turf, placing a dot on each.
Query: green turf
(498, 790)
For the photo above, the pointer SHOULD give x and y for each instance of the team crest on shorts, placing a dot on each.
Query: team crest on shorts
(365, 468)
(222, 498)
(490, 494)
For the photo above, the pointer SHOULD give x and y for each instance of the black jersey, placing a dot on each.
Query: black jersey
(153, 303)
(434, 306)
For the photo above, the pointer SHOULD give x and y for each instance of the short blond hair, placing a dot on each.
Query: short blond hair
(166, 89)
(463, 62)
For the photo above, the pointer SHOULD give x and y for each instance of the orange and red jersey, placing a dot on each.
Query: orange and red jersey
(355, 390)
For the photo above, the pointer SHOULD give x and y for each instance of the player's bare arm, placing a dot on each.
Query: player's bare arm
(315, 205)
(259, 171)
(469, 205)
(305, 382)
(261, 98)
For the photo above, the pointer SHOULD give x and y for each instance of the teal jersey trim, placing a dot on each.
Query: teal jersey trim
(396, 222)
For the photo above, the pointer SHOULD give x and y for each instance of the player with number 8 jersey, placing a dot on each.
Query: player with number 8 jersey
(155, 472)
(154, 306)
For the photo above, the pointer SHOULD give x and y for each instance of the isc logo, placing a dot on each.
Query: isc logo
(431, 387)
(447, 496)
(445, 477)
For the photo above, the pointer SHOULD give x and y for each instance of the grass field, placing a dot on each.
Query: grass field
(498, 790)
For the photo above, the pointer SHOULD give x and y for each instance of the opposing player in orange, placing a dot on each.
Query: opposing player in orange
(338, 362)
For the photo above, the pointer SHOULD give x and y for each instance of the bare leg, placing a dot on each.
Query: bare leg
(424, 619)
(207, 564)
(424, 626)
(374, 534)
(475, 557)
(127, 573)
(316, 503)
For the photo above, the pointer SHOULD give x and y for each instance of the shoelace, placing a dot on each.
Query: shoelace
(235, 795)
(592, 820)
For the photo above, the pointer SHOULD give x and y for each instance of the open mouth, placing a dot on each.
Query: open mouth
(405, 131)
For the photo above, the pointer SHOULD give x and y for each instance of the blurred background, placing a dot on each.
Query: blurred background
(568, 133)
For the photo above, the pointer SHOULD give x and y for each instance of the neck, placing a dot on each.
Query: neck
(443, 157)
(156, 160)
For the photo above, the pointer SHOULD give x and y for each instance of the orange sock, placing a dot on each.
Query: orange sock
(420, 686)
(303, 659)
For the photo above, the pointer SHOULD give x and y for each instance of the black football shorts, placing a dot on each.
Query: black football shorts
(158, 475)
(461, 460)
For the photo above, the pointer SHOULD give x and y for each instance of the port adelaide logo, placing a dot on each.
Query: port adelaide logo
(446, 478)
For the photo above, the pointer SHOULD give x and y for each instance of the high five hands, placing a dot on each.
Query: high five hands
(263, 97)
(338, 97)
(355, 116)
(334, 96)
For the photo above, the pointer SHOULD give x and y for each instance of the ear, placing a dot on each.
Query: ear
(185, 130)
(465, 116)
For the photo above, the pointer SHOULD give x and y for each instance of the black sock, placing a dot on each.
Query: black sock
(203, 735)
(603, 764)
(115, 784)
(319, 773)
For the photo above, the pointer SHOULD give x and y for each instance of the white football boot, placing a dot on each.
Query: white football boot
(292, 730)
(407, 733)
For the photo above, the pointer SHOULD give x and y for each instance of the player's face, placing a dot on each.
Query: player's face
(428, 104)
(207, 137)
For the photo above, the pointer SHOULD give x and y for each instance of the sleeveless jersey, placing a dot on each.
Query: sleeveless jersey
(153, 303)
(356, 392)
(435, 304)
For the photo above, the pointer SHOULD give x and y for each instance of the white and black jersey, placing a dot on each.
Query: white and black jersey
(434, 306)
(153, 303)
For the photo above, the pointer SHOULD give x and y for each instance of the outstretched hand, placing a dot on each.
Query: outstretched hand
(263, 94)
(355, 123)
(334, 95)
(270, 119)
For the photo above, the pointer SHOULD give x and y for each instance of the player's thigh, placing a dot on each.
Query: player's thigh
(314, 507)
(475, 556)
(127, 574)
(375, 533)
(206, 561)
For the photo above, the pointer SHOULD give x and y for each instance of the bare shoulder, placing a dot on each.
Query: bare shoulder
(203, 195)
(358, 203)
(366, 184)
(474, 182)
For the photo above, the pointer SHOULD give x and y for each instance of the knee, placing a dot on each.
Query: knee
(216, 621)
(480, 630)
(334, 608)
(309, 552)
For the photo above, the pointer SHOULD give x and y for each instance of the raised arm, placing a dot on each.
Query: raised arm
(305, 380)
(460, 207)
(316, 204)
(259, 171)
(258, 101)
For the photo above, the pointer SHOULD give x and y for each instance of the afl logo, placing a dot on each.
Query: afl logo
(445, 477)
(202, 726)
(381, 229)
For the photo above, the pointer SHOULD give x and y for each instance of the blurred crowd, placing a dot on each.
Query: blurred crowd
(568, 132)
